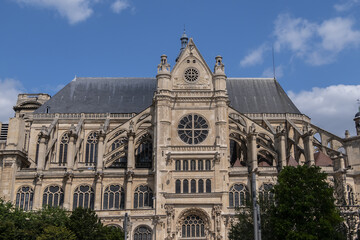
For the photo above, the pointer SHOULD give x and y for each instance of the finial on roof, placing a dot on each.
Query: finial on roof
(184, 40)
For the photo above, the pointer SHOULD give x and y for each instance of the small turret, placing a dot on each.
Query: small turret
(184, 41)
(357, 122)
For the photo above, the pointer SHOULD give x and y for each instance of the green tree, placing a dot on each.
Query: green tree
(56, 233)
(305, 207)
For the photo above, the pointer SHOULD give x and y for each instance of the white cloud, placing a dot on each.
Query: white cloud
(332, 108)
(254, 57)
(9, 90)
(74, 10)
(119, 5)
(269, 72)
(316, 43)
(346, 5)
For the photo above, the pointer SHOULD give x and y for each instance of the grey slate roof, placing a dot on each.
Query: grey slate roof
(133, 95)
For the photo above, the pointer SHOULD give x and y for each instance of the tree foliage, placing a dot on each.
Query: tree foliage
(53, 223)
(304, 209)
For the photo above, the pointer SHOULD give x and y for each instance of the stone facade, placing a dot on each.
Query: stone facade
(179, 167)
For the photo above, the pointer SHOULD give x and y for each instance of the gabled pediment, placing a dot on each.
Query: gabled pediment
(191, 71)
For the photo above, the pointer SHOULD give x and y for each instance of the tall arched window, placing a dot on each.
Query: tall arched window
(178, 186)
(238, 195)
(177, 165)
(83, 197)
(185, 186)
(120, 156)
(143, 154)
(265, 194)
(193, 165)
(193, 186)
(143, 197)
(53, 196)
(63, 148)
(185, 165)
(207, 165)
(114, 197)
(193, 227)
(91, 149)
(37, 150)
(24, 198)
(201, 186)
(208, 185)
(349, 195)
(143, 233)
(200, 165)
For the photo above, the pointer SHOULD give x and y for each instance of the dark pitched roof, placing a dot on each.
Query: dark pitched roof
(132, 95)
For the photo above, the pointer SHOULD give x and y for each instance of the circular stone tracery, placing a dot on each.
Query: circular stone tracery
(191, 75)
(193, 129)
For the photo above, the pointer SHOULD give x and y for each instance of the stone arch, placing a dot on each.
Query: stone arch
(142, 232)
(194, 211)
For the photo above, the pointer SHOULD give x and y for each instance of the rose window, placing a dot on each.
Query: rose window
(193, 129)
(191, 75)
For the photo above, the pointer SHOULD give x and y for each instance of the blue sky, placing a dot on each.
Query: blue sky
(45, 43)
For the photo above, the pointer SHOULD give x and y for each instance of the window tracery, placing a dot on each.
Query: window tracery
(24, 198)
(91, 149)
(53, 196)
(143, 233)
(193, 227)
(83, 197)
(265, 194)
(114, 197)
(143, 197)
(143, 153)
(193, 129)
(238, 195)
(63, 148)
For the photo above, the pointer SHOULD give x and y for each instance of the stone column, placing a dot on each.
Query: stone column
(98, 191)
(42, 152)
(7, 183)
(131, 151)
(309, 149)
(37, 204)
(100, 160)
(129, 192)
(68, 191)
(281, 145)
(70, 153)
(252, 151)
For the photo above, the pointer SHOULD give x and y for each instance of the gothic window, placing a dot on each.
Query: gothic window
(143, 233)
(201, 186)
(193, 165)
(177, 165)
(193, 129)
(91, 149)
(143, 197)
(193, 186)
(37, 151)
(178, 186)
(185, 186)
(120, 156)
(238, 195)
(83, 197)
(185, 165)
(114, 197)
(143, 154)
(265, 194)
(208, 185)
(193, 227)
(349, 195)
(53, 196)
(24, 198)
(63, 149)
(200, 165)
(207, 165)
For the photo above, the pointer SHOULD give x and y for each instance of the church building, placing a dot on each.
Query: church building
(175, 153)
